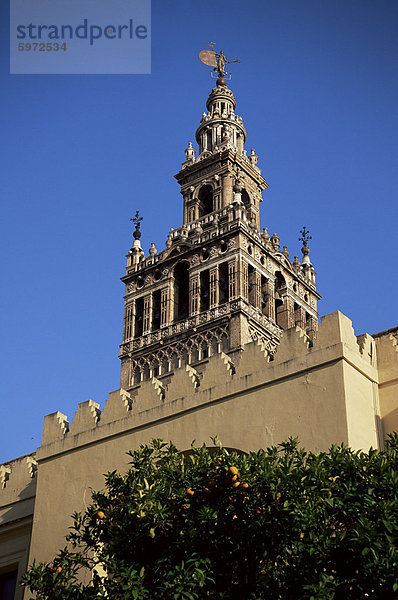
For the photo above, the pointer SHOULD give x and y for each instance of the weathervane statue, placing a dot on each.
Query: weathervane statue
(216, 60)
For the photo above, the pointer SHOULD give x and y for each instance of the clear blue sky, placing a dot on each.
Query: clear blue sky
(317, 88)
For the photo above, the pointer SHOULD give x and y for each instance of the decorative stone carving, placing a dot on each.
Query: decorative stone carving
(213, 251)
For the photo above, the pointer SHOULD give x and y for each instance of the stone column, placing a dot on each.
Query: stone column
(244, 279)
(129, 321)
(311, 326)
(299, 317)
(185, 216)
(165, 307)
(147, 317)
(194, 294)
(286, 313)
(227, 194)
(270, 308)
(257, 290)
(214, 291)
(233, 279)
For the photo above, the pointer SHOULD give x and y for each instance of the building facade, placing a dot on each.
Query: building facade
(220, 337)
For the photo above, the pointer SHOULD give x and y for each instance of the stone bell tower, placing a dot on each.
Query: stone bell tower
(221, 281)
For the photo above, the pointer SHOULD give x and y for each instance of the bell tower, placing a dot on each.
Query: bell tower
(221, 281)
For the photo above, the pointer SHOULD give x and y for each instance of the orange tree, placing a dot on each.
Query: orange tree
(280, 523)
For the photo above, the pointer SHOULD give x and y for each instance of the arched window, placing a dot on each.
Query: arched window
(205, 200)
(181, 285)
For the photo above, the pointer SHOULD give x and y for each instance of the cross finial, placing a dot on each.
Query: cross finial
(137, 222)
(304, 236)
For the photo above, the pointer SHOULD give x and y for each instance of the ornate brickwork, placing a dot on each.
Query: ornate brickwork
(221, 282)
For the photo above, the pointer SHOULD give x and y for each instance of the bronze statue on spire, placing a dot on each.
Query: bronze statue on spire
(217, 60)
(221, 62)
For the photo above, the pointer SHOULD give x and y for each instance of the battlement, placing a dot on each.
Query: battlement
(387, 364)
(222, 378)
(17, 488)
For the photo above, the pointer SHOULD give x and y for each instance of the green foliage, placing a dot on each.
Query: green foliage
(277, 524)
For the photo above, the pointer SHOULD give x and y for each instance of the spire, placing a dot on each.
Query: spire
(208, 177)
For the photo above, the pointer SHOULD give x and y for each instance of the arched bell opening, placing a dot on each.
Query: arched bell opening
(280, 289)
(245, 198)
(156, 309)
(139, 317)
(205, 198)
(204, 290)
(265, 309)
(252, 286)
(181, 285)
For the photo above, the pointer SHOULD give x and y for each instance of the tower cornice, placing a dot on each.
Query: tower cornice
(215, 163)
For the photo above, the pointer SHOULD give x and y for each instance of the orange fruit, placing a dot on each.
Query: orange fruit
(233, 470)
(190, 492)
(185, 506)
(236, 484)
(59, 569)
(100, 514)
(234, 517)
(245, 485)
(234, 478)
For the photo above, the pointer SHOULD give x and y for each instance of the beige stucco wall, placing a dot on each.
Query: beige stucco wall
(387, 363)
(323, 394)
(17, 500)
